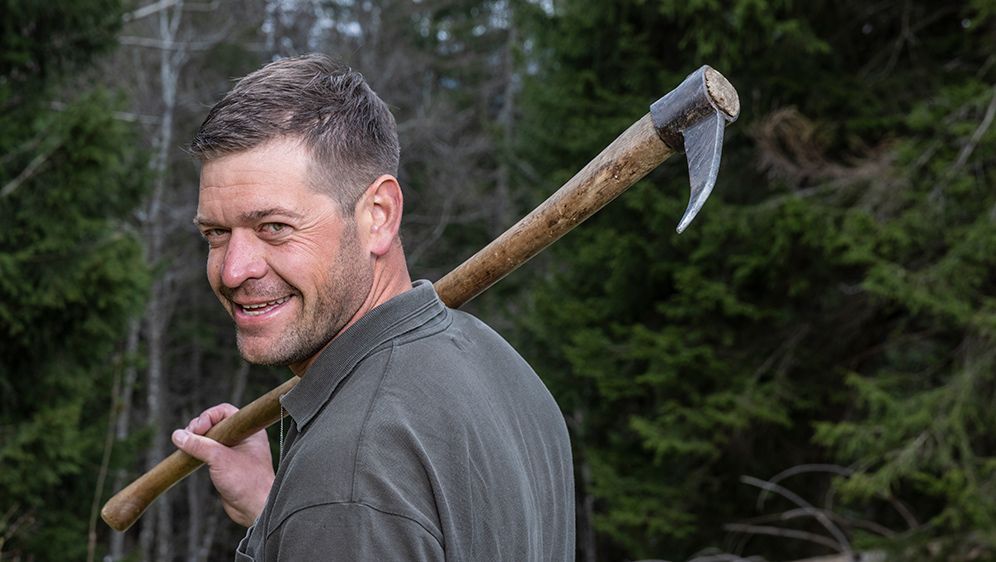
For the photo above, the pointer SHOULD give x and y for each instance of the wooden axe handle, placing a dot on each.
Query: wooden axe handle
(630, 157)
(621, 164)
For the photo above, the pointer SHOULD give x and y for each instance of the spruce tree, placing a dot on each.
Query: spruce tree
(833, 301)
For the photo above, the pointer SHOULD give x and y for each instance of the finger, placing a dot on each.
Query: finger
(210, 417)
(216, 413)
(201, 448)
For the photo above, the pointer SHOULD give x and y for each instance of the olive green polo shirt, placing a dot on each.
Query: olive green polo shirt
(419, 434)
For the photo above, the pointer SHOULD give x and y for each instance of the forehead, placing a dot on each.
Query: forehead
(275, 174)
(276, 170)
(278, 161)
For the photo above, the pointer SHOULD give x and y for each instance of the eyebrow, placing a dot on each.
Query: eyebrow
(253, 216)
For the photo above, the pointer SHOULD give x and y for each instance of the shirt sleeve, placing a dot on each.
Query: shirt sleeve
(351, 531)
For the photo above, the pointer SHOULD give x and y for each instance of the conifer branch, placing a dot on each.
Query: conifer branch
(29, 171)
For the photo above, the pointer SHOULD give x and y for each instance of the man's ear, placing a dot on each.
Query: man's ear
(378, 214)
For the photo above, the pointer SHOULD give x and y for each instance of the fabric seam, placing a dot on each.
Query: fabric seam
(366, 422)
(361, 504)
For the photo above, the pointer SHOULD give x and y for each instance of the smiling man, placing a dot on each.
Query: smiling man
(418, 433)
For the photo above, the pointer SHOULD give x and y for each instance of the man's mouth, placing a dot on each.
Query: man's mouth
(259, 309)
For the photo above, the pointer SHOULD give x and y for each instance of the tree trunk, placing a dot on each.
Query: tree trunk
(121, 429)
(160, 301)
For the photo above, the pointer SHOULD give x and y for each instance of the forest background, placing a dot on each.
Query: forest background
(808, 371)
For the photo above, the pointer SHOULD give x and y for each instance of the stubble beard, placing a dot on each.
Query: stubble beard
(318, 323)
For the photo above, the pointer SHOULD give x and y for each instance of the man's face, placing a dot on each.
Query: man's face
(283, 260)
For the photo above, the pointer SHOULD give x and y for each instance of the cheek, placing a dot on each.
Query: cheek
(295, 269)
(304, 260)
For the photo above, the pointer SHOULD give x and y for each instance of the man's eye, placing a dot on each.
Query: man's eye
(273, 227)
(213, 233)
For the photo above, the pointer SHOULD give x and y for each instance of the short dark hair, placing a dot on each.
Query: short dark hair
(349, 131)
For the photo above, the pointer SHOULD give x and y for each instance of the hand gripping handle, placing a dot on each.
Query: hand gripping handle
(122, 510)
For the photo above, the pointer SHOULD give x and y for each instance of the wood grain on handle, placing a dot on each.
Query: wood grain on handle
(621, 164)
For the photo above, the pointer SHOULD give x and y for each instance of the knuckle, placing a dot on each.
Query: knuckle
(224, 409)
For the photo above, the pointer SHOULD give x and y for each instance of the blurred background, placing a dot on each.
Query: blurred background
(807, 372)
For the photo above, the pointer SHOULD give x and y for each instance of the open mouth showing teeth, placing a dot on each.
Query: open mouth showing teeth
(262, 308)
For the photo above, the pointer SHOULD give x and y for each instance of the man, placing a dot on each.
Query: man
(416, 432)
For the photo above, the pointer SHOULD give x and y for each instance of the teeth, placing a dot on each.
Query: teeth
(257, 309)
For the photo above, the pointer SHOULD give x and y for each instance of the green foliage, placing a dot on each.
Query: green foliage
(70, 273)
(681, 351)
(40, 39)
(923, 417)
(834, 301)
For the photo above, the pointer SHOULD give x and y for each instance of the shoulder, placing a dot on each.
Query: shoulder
(465, 348)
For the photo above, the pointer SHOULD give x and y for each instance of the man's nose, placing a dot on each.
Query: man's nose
(244, 259)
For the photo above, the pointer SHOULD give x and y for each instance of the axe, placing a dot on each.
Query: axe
(691, 118)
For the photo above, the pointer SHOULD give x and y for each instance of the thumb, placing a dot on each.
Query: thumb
(201, 448)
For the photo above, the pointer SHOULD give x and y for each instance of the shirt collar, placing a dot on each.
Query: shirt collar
(402, 314)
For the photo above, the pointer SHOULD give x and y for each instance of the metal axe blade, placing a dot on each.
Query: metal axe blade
(692, 118)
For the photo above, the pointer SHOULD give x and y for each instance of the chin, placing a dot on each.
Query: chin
(265, 361)
(260, 353)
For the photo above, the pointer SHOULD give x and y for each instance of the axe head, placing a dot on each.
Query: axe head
(691, 119)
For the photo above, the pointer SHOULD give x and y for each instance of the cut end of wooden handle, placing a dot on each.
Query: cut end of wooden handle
(120, 512)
